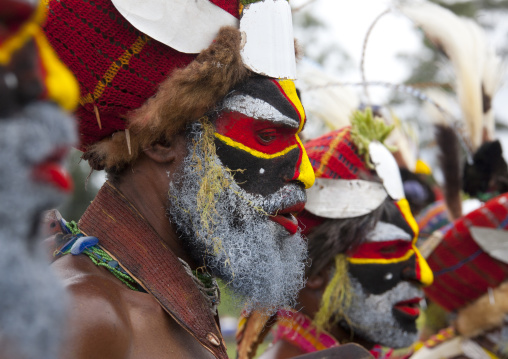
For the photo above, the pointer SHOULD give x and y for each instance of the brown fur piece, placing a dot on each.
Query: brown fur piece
(482, 315)
(185, 96)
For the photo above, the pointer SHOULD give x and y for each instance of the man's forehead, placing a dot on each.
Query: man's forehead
(384, 232)
(267, 99)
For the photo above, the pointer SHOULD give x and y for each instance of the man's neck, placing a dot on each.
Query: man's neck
(143, 189)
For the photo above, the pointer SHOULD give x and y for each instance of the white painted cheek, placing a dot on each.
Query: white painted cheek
(262, 170)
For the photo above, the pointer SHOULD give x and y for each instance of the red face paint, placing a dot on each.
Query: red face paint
(265, 137)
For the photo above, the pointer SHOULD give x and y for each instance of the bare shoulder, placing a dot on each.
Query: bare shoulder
(98, 318)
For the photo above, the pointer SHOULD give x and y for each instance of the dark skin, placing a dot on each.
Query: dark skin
(106, 318)
(309, 300)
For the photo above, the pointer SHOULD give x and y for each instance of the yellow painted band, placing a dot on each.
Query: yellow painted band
(25, 32)
(288, 86)
(426, 275)
(61, 85)
(406, 212)
(228, 141)
(306, 176)
(405, 257)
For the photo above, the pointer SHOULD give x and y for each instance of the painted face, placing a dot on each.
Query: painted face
(387, 272)
(257, 134)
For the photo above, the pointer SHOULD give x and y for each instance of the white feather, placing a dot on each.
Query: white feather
(328, 106)
(473, 60)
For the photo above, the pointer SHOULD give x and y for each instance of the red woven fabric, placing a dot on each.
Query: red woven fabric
(332, 156)
(231, 6)
(335, 156)
(136, 245)
(462, 271)
(118, 67)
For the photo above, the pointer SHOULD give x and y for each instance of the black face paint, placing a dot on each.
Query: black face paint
(379, 278)
(258, 175)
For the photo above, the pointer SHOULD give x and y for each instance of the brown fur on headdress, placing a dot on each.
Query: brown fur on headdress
(185, 96)
(486, 313)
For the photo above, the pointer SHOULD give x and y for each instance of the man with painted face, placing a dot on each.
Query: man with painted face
(35, 135)
(365, 281)
(204, 164)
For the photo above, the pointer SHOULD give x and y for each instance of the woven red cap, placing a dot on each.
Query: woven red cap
(462, 270)
(334, 155)
(118, 67)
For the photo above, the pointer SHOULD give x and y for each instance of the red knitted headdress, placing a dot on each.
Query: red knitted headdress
(463, 271)
(119, 68)
(335, 156)
(354, 171)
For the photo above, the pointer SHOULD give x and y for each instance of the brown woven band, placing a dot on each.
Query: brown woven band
(127, 236)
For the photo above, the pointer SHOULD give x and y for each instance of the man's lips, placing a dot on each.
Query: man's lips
(410, 308)
(52, 172)
(286, 219)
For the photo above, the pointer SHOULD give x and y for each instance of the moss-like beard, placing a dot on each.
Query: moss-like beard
(371, 317)
(32, 301)
(229, 232)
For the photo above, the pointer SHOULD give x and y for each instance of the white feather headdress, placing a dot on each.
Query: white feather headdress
(477, 68)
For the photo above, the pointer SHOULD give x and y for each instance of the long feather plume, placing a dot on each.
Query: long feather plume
(328, 108)
(449, 161)
(475, 64)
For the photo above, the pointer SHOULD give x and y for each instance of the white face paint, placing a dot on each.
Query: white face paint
(258, 259)
(372, 316)
(384, 232)
(258, 109)
(262, 170)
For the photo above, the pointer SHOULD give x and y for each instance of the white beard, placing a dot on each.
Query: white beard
(257, 258)
(371, 316)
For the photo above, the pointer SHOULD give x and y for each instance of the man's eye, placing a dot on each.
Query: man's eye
(267, 136)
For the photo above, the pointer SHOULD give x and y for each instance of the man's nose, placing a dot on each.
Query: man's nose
(418, 271)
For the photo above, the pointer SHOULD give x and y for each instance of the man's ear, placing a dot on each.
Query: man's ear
(168, 150)
(320, 279)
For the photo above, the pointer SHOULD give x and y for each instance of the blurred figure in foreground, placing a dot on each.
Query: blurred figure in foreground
(35, 135)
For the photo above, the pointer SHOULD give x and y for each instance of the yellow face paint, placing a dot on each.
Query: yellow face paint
(289, 89)
(422, 270)
(228, 141)
(307, 176)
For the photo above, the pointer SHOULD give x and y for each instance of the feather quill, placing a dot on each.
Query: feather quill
(476, 66)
